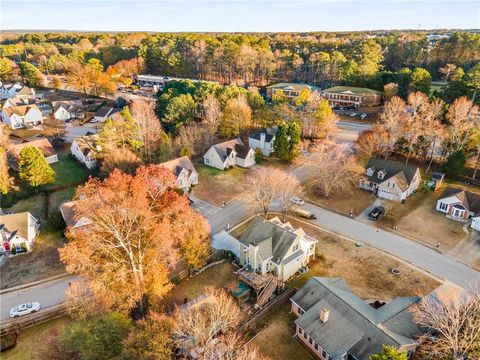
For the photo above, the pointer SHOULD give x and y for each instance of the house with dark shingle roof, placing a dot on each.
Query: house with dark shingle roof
(184, 171)
(18, 232)
(291, 90)
(263, 140)
(390, 179)
(352, 96)
(229, 153)
(104, 113)
(85, 149)
(460, 205)
(68, 109)
(336, 324)
(275, 247)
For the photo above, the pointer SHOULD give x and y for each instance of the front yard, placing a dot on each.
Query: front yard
(217, 186)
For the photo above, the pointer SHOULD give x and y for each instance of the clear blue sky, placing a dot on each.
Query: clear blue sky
(234, 15)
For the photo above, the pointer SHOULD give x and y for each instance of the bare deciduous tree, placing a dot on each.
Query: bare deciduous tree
(447, 71)
(453, 321)
(264, 184)
(212, 113)
(393, 118)
(463, 119)
(334, 167)
(289, 188)
(390, 90)
(373, 142)
(230, 347)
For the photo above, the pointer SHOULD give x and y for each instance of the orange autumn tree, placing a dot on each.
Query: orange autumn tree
(140, 228)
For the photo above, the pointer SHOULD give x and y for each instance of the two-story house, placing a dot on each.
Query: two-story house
(8, 91)
(85, 149)
(18, 117)
(184, 171)
(352, 96)
(263, 140)
(18, 232)
(291, 90)
(390, 179)
(229, 153)
(336, 324)
(270, 246)
(460, 205)
(67, 110)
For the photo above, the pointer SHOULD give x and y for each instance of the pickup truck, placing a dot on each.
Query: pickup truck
(302, 213)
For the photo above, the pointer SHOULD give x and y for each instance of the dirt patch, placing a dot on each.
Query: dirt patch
(42, 262)
(275, 337)
(353, 199)
(217, 186)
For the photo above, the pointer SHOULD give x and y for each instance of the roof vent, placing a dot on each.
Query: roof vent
(324, 314)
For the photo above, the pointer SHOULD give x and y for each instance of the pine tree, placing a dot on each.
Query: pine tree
(389, 353)
(455, 165)
(34, 169)
(280, 146)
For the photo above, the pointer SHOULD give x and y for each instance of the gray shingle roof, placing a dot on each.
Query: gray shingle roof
(470, 200)
(261, 231)
(353, 326)
(225, 148)
(106, 110)
(403, 173)
(269, 134)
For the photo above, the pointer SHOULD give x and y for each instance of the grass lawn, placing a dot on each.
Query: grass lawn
(31, 339)
(58, 197)
(34, 204)
(273, 162)
(43, 261)
(217, 276)
(216, 186)
(275, 338)
(68, 171)
(366, 270)
(351, 199)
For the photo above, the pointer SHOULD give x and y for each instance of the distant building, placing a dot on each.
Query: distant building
(67, 110)
(460, 205)
(41, 144)
(105, 112)
(263, 140)
(159, 80)
(23, 116)
(229, 153)
(85, 150)
(390, 179)
(352, 96)
(335, 324)
(8, 91)
(291, 90)
(17, 232)
(184, 171)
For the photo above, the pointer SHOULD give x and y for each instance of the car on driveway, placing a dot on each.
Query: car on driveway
(24, 309)
(298, 201)
(376, 213)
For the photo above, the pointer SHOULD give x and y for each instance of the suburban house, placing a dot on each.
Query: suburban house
(263, 140)
(18, 232)
(8, 91)
(41, 144)
(104, 113)
(85, 149)
(13, 102)
(22, 116)
(390, 179)
(352, 96)
(460, 205)
(336, 324)
(71, 217)
(184, 171)
(291, 90)
(270, 246)
(229, 153)
(159, 81)
(66, 110)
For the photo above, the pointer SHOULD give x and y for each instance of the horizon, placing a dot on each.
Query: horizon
(265, 16)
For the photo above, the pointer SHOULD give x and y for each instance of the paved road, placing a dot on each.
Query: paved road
(48, 295)
(348, 130)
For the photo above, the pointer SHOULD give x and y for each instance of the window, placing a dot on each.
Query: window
(207, 161)
(310, 341)
(324, 354)
(316, 346)
(443, 206)
(304, 335)
(295, 248)
(300, 331)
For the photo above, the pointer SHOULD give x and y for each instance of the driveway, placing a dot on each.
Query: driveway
(73, 131)
(468, 250)
(363, 216)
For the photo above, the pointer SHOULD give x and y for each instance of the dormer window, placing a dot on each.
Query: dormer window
(381, 174)
(370, 171)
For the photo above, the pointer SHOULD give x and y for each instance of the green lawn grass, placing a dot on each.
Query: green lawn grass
(68, 172)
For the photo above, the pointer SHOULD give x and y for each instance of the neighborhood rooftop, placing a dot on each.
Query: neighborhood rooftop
(352, 90)
(470, 200)
(403, 173)
(292, 86)
(176, 165)
(41, 144)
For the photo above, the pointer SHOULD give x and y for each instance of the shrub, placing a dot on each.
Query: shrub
(55, 221)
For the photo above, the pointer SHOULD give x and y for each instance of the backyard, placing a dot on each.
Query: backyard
(68, 172)
(217, 186)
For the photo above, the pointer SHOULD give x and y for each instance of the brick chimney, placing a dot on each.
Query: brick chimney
(324, 313)
(262, 137)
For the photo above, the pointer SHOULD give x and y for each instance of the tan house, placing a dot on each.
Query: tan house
(229, 153)
(184, 171)
(460, 205)
(291, 90)
(17, 233)
(22, 116)
(41, 144)
(352, 96)
(390, 179)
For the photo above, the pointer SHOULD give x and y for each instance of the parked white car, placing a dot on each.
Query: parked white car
(298, 201)
(24, 309)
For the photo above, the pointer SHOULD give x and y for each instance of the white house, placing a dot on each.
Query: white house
(22, 116)
(184, 171)
(85, 150)
(16, 101)
(460, 205)
(8, 91)
(229, 153)
(41, 144)
(71, 217)
(18, 232)
(275, 247)
(66, 110)
(104, 113)
(263, 140)
(390, 179)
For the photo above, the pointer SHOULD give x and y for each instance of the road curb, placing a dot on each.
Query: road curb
(33, 283)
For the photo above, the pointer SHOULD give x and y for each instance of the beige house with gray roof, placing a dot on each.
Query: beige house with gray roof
(18, 232)
(229, 153)
(185, 172)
